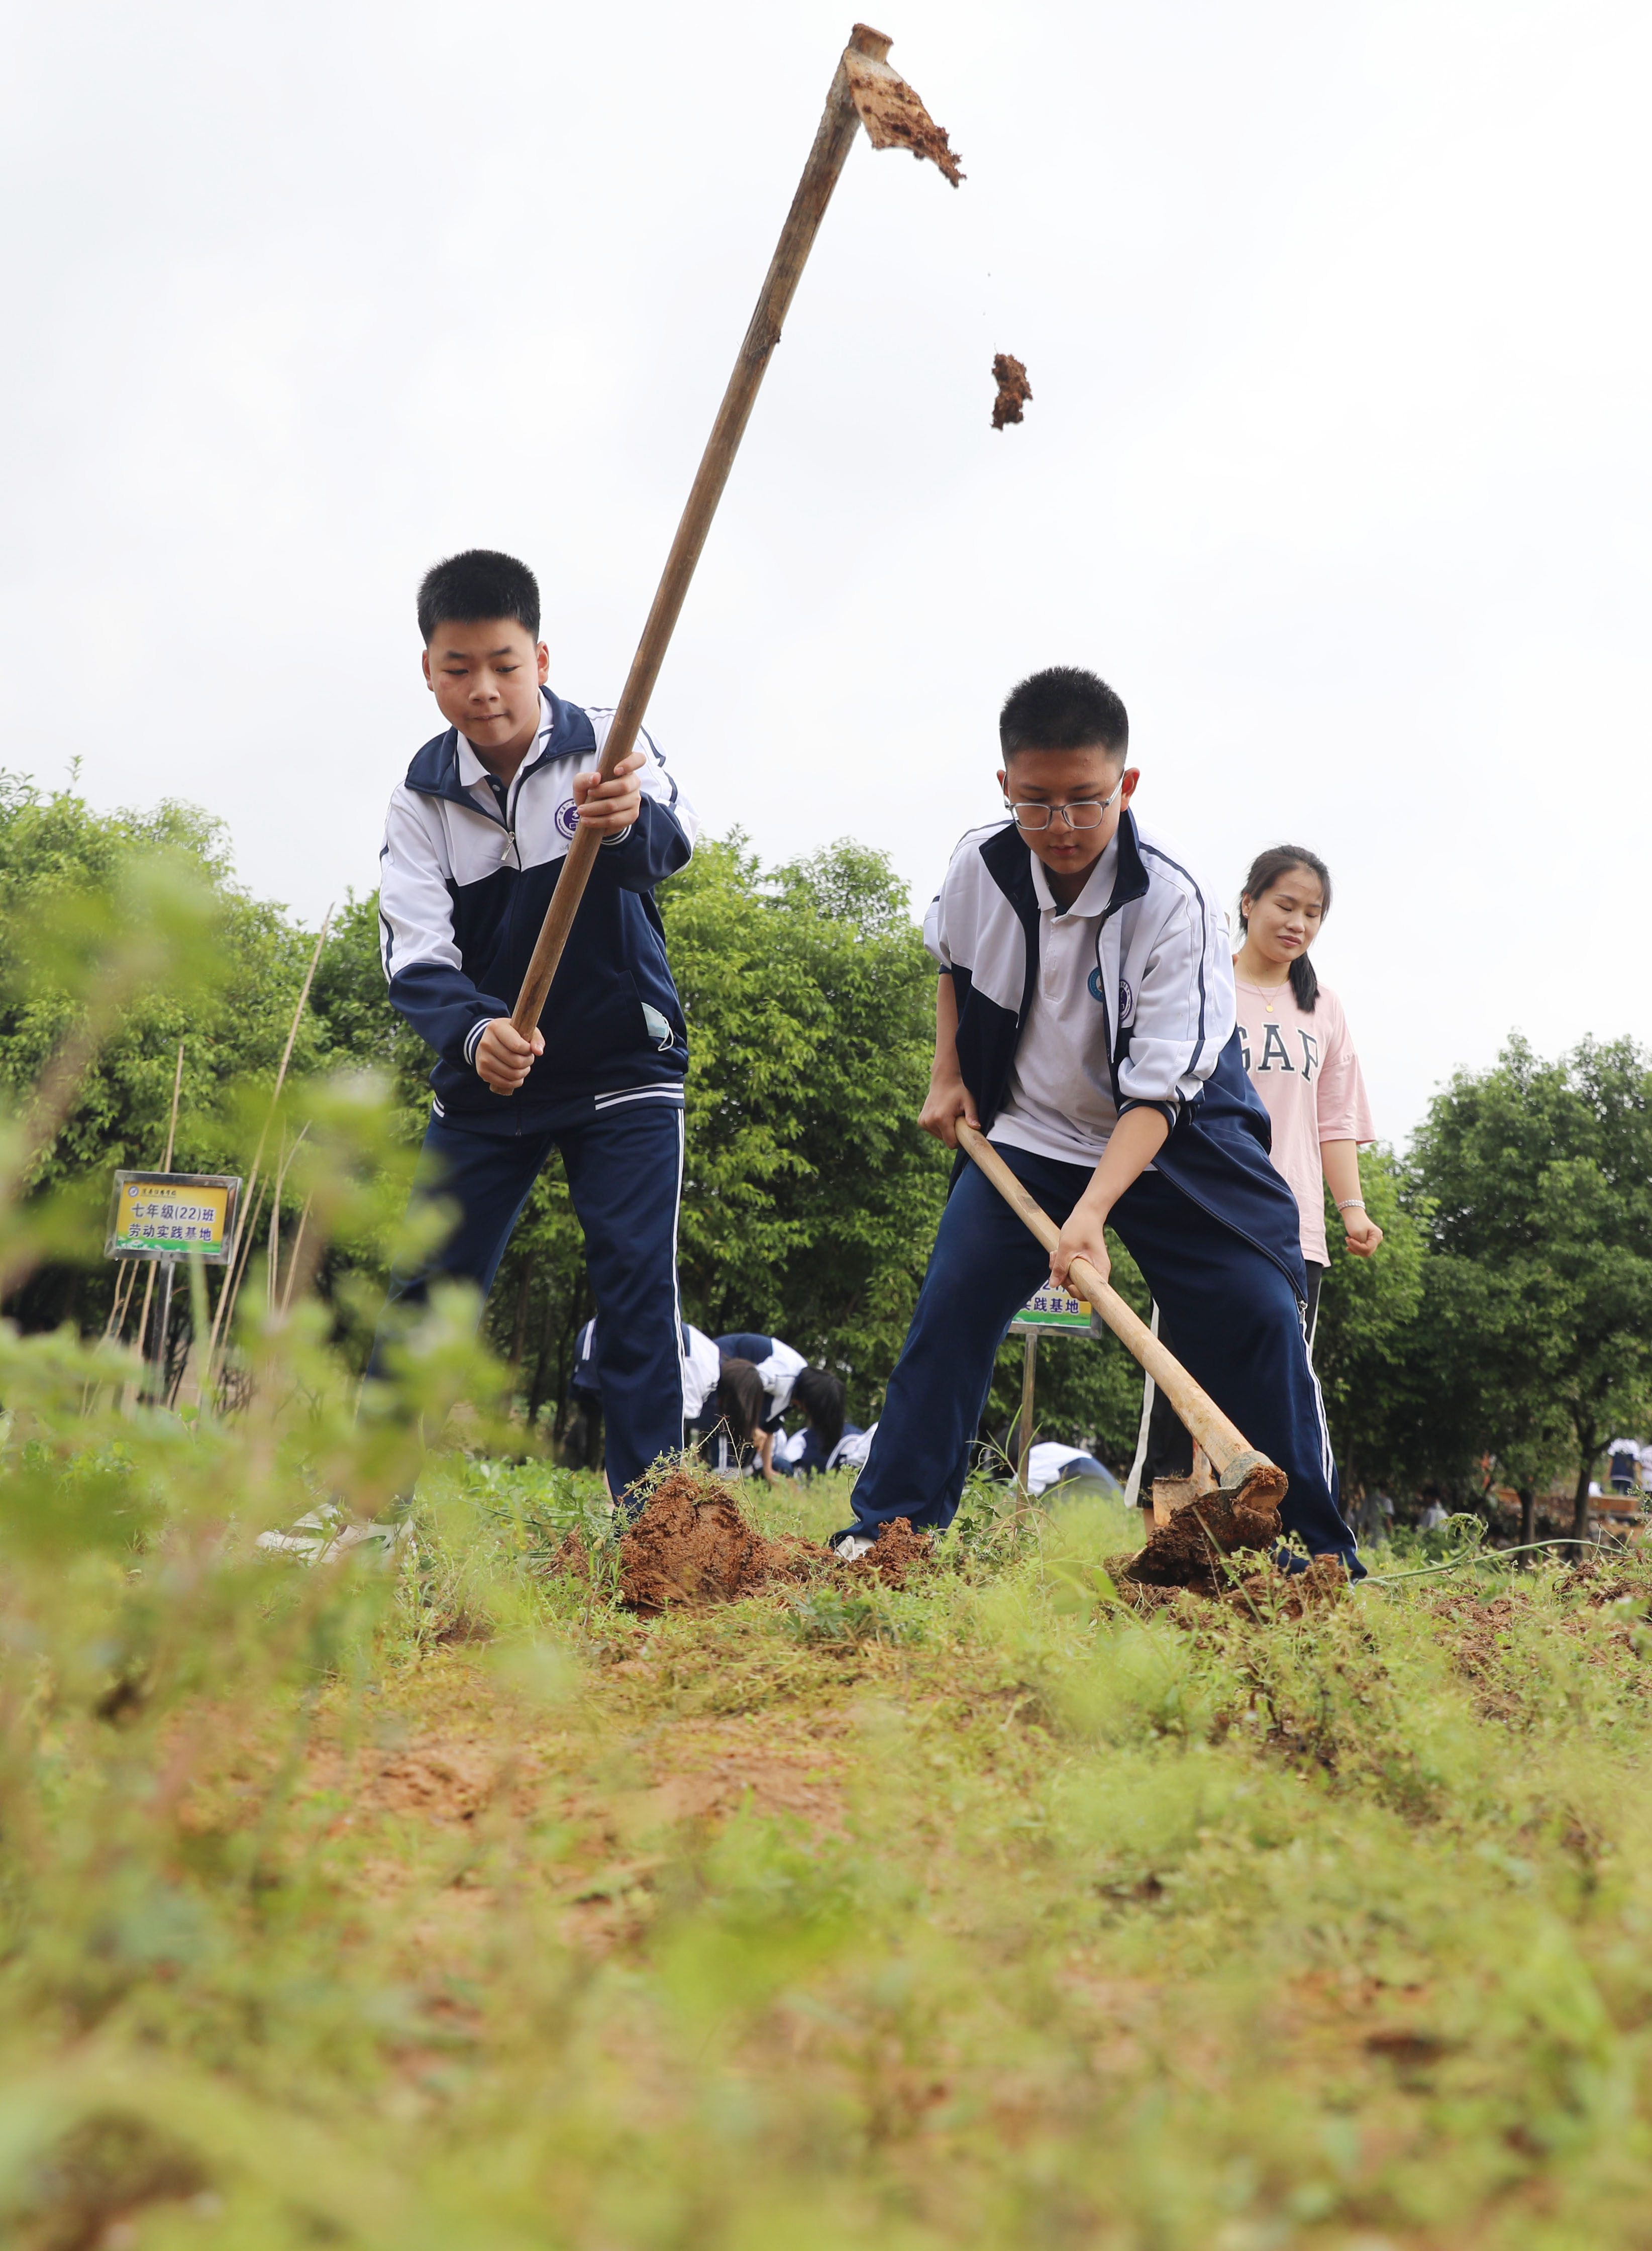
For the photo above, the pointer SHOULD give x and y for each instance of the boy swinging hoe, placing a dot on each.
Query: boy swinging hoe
(1085, 1022)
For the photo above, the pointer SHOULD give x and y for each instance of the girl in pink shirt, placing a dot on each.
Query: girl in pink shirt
(1303, 1064)
(1298, 1053)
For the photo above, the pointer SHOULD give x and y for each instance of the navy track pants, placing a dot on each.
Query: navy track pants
(624, 1175)
(1234, 1316)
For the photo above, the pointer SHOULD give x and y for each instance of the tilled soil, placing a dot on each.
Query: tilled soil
(1013, 389)
(690, 1546)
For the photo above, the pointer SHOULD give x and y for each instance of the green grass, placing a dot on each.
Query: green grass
(464, 1910)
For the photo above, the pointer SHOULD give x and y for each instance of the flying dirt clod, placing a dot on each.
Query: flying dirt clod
(1013, 389)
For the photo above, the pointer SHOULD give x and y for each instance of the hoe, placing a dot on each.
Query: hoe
(1243, 1511)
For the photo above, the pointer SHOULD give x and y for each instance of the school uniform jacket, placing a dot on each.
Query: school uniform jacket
(1162, 982)
(464, 881)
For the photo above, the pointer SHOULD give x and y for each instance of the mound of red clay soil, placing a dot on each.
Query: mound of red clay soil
(690, 1546)
(1188, 1551)
(1013, 389)
(898, 1551)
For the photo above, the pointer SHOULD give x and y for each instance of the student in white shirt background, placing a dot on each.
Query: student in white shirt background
(701, 1369)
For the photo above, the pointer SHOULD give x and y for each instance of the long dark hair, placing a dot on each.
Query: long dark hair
(1265, 871)
(821, 1396)
(741, 1400)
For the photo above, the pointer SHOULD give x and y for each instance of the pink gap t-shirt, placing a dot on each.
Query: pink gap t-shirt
(1306, 1071)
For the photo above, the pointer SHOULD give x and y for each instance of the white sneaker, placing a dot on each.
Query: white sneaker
(305, 1538)
(849, 1547)
(389, 1544)
(326, 1535)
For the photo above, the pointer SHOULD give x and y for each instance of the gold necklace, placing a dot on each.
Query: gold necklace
(1265, 989)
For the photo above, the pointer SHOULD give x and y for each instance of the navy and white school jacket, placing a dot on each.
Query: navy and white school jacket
(465, 874)
(778, 1366)
(1163, 983)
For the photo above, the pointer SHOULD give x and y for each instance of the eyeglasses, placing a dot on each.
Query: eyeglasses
(1088, 813)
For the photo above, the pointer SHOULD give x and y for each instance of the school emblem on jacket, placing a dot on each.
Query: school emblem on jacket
(568, 817)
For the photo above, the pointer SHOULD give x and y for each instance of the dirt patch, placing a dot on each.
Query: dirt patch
(690, 1546)
(1189, 1551)
(443, 1781)
(1013, 389)
(893, 115)
(716, 1768)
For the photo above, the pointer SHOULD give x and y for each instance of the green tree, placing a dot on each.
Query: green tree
(1540, 1178)
(810, 1198)
(82, 892)
(1369, 1315)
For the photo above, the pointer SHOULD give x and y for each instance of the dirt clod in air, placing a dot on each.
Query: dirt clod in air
(899, 1550)
(1188, 1551)
(690, 1546)
(1013, 389)
(893, 115)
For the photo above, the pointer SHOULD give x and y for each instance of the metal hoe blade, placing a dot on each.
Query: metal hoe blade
(893, 115)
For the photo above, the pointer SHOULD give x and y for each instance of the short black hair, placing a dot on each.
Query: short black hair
(479, 584)
(1062, 709)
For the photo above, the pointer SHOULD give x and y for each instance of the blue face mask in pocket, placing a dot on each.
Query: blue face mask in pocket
(658, 1030)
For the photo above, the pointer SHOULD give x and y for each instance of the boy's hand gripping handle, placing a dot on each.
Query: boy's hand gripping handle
(1232, 1456)
(826, 159)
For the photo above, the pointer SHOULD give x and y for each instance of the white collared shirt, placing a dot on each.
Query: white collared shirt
(477, 778)
(1060, 1099)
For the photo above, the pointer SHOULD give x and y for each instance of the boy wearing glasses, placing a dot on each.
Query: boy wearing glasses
(1085, 1020)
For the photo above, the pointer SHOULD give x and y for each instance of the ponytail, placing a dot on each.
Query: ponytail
(1304, 983)
(1265, 871)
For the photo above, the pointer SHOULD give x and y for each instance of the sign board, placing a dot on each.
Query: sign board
(173, 1215)
(1049, 1310)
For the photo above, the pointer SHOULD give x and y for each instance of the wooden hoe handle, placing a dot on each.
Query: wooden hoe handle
(1232, 1456)
(826, 160)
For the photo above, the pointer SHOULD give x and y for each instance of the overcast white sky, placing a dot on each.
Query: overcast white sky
(1338, 467)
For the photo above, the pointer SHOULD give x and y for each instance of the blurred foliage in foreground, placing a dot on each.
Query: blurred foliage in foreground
(456, 1908)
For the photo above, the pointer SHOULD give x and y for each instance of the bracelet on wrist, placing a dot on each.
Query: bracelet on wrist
(1351, 1204)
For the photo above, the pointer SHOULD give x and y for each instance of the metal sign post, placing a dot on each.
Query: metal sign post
(1047, 1311)
(166, 1217)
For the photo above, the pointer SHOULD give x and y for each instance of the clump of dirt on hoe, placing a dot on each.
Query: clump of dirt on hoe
(1191, 1553)
(690, 1546)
